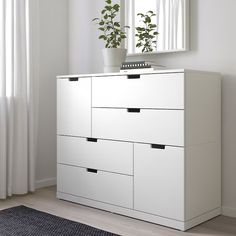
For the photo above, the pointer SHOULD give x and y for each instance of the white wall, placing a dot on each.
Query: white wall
(79, 29)
(85, 53)
(213, 48)
(52, 60)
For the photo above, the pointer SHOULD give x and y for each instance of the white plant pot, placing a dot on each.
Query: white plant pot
(113, 58)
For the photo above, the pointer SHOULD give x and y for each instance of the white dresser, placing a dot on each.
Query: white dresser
(146, 146)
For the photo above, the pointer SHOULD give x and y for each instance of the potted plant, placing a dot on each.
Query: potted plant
(147, 33)
(113, 34)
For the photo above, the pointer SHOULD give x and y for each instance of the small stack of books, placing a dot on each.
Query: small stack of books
(139, 66)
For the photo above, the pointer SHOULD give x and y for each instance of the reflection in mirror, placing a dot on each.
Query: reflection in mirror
(170, 18)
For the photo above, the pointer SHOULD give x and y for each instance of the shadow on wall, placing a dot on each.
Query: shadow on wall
(193, 24)
(228, 139)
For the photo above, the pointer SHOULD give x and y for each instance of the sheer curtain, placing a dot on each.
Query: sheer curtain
(171, 25)
(18, 106)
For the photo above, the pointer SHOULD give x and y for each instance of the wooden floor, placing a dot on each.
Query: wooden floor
(45, 200)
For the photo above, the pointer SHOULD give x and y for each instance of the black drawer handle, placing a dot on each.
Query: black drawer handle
(133, 76)
(94, 140)
(92, 171)
(73, 79)
(158, 146)
(133, 110)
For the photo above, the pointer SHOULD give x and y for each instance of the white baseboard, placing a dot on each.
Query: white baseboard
(229, 211)
(45, 183)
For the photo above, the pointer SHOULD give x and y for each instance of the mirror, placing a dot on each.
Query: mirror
(163, 22)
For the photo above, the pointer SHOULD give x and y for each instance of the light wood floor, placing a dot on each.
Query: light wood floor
(45, 200)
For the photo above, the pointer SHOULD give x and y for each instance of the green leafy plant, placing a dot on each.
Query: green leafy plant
(147, 33)
(112, 32)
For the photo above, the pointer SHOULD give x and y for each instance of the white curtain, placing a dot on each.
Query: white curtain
(171, 24)
(18, 106)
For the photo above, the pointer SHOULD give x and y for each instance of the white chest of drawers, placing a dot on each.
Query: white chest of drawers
(146, 146)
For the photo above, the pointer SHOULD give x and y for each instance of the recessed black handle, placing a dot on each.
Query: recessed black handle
(133, 110)
(92, 170)
(158, 146)
(133, 76)
(94, 140)
(73, 79)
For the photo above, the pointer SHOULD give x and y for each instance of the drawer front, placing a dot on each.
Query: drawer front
(159, 181)
(74, 107)
(106, 187)
(150, 91)
(102, 155)
(148, 126)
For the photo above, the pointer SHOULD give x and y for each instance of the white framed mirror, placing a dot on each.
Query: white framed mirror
(171, 18)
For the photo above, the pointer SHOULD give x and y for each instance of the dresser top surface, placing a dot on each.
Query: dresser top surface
(166, 71)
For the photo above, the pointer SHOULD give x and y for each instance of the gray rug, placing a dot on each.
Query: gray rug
(24, 221)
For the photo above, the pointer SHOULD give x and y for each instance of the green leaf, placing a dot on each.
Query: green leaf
(140, 28)
(139, 45)
(108, 1)
(109, 8)
(148, 19)
(95, 19)
(140, 14)
(152, 26)
(103, 11)
(102, 37)
(101, 23)
(112, 16)
(117, 24)
(116, 7)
